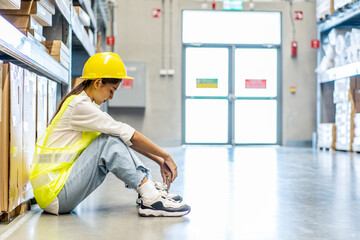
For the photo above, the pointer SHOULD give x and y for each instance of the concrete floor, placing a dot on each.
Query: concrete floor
(235, 193)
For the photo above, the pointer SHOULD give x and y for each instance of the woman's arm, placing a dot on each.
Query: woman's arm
(149, 149)
(164, 169)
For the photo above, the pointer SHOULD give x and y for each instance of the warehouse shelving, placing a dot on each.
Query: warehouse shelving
(17, 46)
(65, 11)
(348, 70)
(347, 17)
(82, 36)
(86, 5)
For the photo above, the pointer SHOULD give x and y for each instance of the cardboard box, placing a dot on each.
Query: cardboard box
(24, 22)
(83, 16)
(52, 97)
(41, 110)
(29, 132)
(75, 82)
(26, 31)
(55, 46)
(48, 4)
(35, 9)
(10, 4)
(4, 134)
(16, 128)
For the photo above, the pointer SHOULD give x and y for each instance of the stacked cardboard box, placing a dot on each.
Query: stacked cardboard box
(52, 88)
(59, 51)
(29, 131)
(75, 82)
(326, 135)
(10, 4)
(83, 16)
(344, 113)
(24, 116)
(324, 8)
(31, 18)
(4, 134)
(42, 106)
(84, 19)
(15, 187)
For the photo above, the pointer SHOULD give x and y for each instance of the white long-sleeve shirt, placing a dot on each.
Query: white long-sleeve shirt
(84, 115)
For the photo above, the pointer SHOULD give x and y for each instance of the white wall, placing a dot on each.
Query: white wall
(139, 38)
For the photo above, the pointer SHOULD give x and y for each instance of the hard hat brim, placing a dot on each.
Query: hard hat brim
(126, 77)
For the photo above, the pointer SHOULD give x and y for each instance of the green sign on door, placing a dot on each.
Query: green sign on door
(206, 83)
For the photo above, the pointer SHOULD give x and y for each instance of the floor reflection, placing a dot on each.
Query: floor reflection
(246, 193)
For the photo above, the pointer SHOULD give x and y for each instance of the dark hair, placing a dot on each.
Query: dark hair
(81, 87)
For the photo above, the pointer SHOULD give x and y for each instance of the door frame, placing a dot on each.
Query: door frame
(231, 118)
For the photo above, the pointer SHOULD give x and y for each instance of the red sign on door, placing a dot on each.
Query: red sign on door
(156, 12)
(299, 15)
(127, 84)
(255, 83)
(315, 43)
(110, 40)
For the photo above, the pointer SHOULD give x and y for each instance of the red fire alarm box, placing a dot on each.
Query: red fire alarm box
(294, 45)
(315, 43)
(110, 40)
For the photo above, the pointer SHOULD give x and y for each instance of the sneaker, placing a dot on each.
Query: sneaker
(162, 206)
(163, 189)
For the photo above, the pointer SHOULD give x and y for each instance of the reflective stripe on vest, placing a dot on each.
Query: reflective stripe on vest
(50, 158)
(51, 166)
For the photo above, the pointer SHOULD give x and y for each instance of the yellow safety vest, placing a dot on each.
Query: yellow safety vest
(51, 167)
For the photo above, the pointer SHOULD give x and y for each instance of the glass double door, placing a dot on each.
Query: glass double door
(231, 95)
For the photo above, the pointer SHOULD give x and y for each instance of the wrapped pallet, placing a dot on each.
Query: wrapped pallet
(356, 142)
(344, 113)
(326, 135)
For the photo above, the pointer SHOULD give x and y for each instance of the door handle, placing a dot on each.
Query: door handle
(231, 97)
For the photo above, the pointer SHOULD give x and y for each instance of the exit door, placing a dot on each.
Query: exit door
(231, 95)
(231, 81)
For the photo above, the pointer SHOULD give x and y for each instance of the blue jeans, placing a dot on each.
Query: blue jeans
(105, 154)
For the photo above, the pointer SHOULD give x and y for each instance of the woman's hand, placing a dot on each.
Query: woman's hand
(165, 174)
(172, 166)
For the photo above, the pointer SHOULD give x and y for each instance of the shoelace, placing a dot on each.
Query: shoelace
(163, 190)
(169, 198)
(161, 187)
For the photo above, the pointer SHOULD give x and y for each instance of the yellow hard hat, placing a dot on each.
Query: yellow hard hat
(104, 65)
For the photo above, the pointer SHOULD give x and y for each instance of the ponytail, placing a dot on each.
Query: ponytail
(81, 87)
(78, 89)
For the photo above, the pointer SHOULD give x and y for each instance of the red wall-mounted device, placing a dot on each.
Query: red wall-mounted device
(294, 48)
